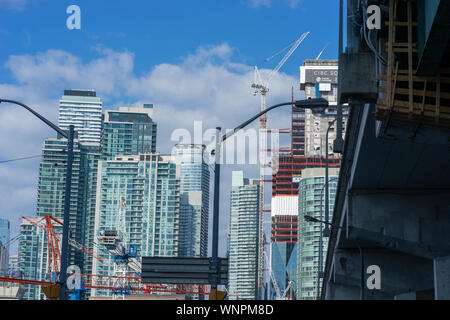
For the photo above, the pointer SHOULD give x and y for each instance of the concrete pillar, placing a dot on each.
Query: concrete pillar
(416, 295)
(401, 275)
(415, 223)
(337, 291)
(442, 278)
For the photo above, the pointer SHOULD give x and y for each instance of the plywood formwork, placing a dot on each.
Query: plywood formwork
(404, 96)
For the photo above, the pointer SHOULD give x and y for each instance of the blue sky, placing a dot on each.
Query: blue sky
(167, 31)
(192, 59)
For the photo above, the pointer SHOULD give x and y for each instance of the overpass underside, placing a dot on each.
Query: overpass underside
(392, 208)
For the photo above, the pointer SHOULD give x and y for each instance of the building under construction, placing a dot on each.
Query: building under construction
(318, 78)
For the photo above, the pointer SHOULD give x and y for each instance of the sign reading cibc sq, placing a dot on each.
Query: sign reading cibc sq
(321, 76)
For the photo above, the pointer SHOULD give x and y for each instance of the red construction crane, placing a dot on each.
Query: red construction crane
(134, 284)
(47, 224)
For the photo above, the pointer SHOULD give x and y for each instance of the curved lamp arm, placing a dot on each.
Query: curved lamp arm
(313, 104)
(47, 122)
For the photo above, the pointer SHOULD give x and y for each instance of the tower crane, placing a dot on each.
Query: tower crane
(47, 223)
(124, 255)
(273, 279)
(321, 52)
(279, 296)
(285, 294)
(54, 239)
(129, 283)
(262, 88)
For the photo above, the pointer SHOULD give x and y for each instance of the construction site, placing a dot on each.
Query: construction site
(360, 190)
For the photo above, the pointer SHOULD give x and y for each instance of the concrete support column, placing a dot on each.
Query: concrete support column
(442, 278)
(401, 276)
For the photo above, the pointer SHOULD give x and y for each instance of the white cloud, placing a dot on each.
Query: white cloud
(259, 3)
(207, 85)
(17, 5)
(56, 69)
(293, 3)
(267, 3)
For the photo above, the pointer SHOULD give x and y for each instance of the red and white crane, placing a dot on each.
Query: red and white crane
(262, 88)
(108, 282)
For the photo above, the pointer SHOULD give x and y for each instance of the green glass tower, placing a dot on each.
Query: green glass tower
(129, 131)
(50, 201)
(149, 185)
(312, 203)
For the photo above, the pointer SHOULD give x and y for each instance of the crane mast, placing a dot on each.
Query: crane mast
(262, 88)
(124, 255)
(115, 240)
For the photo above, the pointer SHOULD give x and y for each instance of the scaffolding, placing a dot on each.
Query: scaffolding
(406, 97)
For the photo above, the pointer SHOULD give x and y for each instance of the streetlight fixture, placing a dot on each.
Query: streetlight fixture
(65, 241)
(317, 106)
(315, 220)
(337, 148)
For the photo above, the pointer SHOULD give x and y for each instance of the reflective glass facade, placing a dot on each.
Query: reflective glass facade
(243, 239)
(136, 132)
(33, 258)
(83, 109)
(129, 131)
(194, 195)
(284, 268)
(4, 241)
(50, 201)
(312, 203)
(151, 190)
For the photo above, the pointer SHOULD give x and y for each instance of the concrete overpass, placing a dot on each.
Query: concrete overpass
(392, 207)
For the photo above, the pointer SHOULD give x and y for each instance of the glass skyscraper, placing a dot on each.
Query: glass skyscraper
(312, 203)
(50, 201)
(28, 262)
(194, 197)
(243, 240)
(149, 185)
(87, 192)
(51, 186)
(13, 264)
(33, 258)
(4, 246)
(5, 229)
(284, 267)
(83, 109)
(129, 131)
(3, 261)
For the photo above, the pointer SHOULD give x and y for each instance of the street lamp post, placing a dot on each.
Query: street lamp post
(316, 105)
(215, 236)
(65, 241)
(320, 269)
(326, 232)
(337, 148)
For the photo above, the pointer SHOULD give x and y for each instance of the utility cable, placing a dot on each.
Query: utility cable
(19, 159)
